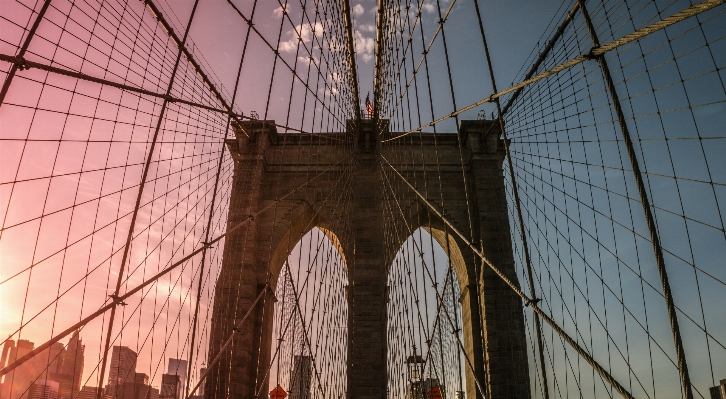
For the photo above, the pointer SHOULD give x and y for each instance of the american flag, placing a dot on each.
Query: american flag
(369, 106)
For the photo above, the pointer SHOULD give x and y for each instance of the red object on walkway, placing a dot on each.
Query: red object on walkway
(279, 393)
(435, 393)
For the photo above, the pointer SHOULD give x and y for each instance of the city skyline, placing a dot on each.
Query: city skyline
(60, 364)
(58, 373)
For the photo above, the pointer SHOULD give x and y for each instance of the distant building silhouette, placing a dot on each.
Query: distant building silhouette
(178, 367)
(17, 382)
(5, 359)
(200, 390)
(90, 393)
(68, 368)
(44, 389)
(59, 364)
(170, 386)
(46, 366)
(301, 376)
(719, 391)
(123, 380)
(136, 388)
(6, 351)
(123, 365)
(73, 362)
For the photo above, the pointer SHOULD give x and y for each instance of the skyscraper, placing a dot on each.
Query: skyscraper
(90, 393)
(141, 379)
(200, 390)
(73, 362)
(719, 391)
(6, 351)
(178, 367)
(170, 386)
(123, 365)
(301, 375)
(67, 367)
(136, 386)
(4, 360)
(18, 382)
(44, 389)
(58, 364)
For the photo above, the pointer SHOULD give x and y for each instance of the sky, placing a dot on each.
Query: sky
(57, 126)
(514, 28)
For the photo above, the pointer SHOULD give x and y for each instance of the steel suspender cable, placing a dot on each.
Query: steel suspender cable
(595, 52)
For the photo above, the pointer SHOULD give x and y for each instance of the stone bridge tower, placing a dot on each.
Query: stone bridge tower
(268, 165)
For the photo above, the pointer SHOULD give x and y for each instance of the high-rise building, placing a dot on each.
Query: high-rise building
(65, 384)
(132, 390)
(72, 367)
(57, 363)
(44, 389)
(4, 360)
(141, 378)
(6, 351)
(123, 365)
(17, 383)
(200, 390)
(719, 391)
(170, 386)
(178, 367)
(301, 375)
(66, 367)
(90, 393)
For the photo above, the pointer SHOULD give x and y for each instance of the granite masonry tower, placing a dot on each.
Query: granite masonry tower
(268, 163)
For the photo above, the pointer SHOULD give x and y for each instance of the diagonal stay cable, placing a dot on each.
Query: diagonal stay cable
(121, 298)
(543, 55)
(592, 54)
(182, 47)
(606, 285)
(615, 256)
(426, 51)
(85, 276)
(345, 190)
(304, 329)
(414, 291)
(527, 301)
(439, 297)
(231, 336)
(27, 64)
(278, 56)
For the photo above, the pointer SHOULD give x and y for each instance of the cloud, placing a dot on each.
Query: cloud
(358, 10)
(429, 8)
(331, 92)
(306, 60)
(367, 28)
(277, 12)
(306, 33)
(364, 46)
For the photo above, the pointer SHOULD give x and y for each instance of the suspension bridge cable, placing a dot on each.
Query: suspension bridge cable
(595, 52)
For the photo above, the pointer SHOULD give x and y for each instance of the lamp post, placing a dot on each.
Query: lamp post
(415, 363)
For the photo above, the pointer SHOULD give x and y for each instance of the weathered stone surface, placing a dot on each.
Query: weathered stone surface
(365, 208)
